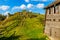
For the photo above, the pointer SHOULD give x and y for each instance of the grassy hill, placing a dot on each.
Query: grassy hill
(23, 27)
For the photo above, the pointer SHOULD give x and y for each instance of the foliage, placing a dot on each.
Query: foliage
(2, 17)
(29, 28)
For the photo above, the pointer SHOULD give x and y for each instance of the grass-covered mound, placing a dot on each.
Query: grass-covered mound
(19, 27)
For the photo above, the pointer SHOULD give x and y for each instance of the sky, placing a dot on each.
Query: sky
(12, 6)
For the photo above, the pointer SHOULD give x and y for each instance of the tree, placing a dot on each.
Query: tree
(2, 17)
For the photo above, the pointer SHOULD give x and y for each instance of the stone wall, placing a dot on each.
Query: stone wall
(52, 26)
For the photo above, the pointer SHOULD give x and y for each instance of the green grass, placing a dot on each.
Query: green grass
(25, 29)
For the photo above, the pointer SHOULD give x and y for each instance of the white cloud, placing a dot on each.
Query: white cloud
(40, 5)
(29, 5)
(44, 0)
(19, 7)
(30, 10)
(3, 7)
(26, 0)
(6, 13)
(16, 7)
(23, 6)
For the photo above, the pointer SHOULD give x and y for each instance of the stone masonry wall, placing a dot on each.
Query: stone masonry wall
(52, 27)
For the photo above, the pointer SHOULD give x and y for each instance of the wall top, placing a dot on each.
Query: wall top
(52, 4)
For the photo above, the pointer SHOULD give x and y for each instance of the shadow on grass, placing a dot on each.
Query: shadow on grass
(10, 38)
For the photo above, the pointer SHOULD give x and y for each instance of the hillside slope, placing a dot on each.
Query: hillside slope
(18, 27)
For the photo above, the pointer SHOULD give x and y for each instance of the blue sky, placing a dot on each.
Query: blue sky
(13, 6)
